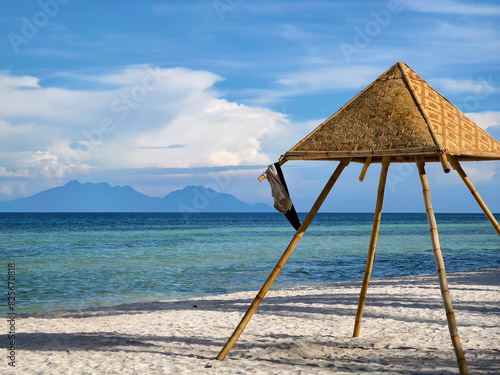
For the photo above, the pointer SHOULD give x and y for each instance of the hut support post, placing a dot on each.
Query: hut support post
(443, 283)
(367, 163)
(373, 243)
(279, 266)
(456, 166)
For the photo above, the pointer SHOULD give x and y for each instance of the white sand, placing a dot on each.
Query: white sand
(305, 330)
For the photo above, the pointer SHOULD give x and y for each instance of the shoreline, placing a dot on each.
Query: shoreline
(80, 262)
(304, 329)
(251, 292)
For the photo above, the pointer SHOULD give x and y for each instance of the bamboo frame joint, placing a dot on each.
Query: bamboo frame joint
(420, 161)
(345, 161)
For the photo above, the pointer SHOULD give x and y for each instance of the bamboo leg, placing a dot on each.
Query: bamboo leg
(456, 166)
(367, 163)
(279, 266)
(443, 283)
(373, 243)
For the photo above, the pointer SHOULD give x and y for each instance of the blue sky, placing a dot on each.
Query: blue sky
(161, 95)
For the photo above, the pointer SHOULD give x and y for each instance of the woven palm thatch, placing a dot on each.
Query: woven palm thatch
(398, 115)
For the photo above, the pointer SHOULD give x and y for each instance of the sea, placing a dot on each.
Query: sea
(80, 260)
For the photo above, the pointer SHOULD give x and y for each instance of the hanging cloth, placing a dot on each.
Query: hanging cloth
(281, 196)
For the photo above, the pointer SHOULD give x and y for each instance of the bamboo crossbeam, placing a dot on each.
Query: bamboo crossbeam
(306, 155)
(279, 266)
(443, 283)
(456, 166)
(373, 243)
(367, 163)
(360, 156)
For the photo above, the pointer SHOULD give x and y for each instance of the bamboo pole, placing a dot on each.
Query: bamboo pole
(373, 243)
(367, 163)
(312, 155)
(444, 162)
(456, 166)
(443, 283)
(279, 266)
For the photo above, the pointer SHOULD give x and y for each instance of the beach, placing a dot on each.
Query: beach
(300, 330)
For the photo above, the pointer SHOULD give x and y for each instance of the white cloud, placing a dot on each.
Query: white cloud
(484, 33)
(451, 7)
(331, 78)
(288, 7)
(485, 119)
(20, 173)
(52, 52)
(51, 106)
(20, 81)
(54, 132)
(145, 75)
(214, 132)
(6, 189)
(480, 173)
(482, 86)
(318, 80)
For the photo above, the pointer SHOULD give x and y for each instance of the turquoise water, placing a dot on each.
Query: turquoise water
(66, 260)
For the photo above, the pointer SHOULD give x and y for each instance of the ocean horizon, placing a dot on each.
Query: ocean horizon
(80, 260)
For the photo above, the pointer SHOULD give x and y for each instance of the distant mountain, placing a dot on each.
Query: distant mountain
(101, 197)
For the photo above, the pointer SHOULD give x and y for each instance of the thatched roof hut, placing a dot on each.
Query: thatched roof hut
(398, 115)
(398, 118)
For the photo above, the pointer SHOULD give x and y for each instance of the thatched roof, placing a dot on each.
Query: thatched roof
(401, 115)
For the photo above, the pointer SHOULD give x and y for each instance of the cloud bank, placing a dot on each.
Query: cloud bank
(139, 117)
